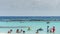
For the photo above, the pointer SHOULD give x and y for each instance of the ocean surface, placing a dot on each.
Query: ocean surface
(34, 25)
(24, 22)
(29, 18)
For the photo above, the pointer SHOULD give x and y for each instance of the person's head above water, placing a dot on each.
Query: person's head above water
(48, 22)
(23, 31)
(11, 30)
(17, 29)
(53, 26)
(48, 26)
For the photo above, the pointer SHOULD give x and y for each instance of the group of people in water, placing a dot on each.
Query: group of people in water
(18, 31)
(49, 30)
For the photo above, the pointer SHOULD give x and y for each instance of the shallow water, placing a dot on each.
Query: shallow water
(34, 25)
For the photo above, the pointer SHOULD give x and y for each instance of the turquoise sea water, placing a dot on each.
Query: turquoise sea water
(33, 24)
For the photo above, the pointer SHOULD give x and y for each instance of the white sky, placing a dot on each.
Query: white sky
(29, 7)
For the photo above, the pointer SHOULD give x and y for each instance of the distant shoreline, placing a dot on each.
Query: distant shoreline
(29, 18)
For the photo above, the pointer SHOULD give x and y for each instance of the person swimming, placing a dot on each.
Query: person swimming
(17, 31)
(23, 32)
(40, 29)
(9, 32)
(48, 22)
(37, 32)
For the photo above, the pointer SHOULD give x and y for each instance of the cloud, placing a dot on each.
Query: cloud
(28, 4)
(29, 7)
(58, 5)
(36, 4)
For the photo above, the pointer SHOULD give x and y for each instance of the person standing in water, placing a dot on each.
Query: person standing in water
(47, 28)
(53, 29)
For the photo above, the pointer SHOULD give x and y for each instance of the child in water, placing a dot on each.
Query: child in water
(29, 28)
(37, 32)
